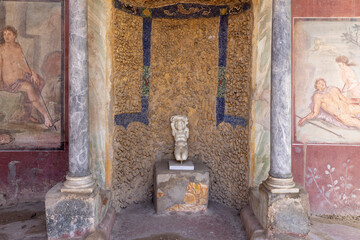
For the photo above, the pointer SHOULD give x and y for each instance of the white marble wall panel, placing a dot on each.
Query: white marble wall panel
(260, 98)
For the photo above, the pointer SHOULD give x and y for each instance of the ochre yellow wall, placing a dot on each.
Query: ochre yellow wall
(183, 80)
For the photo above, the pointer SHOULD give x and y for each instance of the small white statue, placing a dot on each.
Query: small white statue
(181, 133)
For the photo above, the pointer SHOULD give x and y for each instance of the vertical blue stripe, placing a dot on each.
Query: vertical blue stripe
(146, 38)
(223, 31)
(220, 110)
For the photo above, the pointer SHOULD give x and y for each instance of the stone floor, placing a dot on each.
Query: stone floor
(334, 229)
(27, 222)
(141, 222)
(23, 221)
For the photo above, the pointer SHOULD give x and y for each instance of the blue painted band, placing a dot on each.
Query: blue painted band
(220, 110)
(146, 39)
(184, 10)
(223, 32)
(222, 117)
(234, 120)
(126, 118)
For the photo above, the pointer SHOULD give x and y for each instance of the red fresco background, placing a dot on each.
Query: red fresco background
(28, 175)
(330, 173)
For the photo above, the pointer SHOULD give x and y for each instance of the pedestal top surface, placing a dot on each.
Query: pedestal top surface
(163, 168)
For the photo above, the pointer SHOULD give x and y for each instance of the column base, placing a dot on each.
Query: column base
(284, 214)
(85, 184)
(280, 185)
(72, 215)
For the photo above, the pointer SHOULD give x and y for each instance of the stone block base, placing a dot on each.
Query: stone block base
(104, 229)
(251, 224)
(71, 215)
(181, 191)
(285, 214)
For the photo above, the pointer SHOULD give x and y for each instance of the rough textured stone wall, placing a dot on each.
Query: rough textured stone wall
(184, 79)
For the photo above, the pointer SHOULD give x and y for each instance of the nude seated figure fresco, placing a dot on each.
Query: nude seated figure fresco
(181, 134)
(329, 104)
(16, 75)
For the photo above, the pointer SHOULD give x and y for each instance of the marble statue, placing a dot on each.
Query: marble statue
(181, 133)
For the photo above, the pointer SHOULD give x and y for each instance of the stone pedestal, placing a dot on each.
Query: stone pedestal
(70, 215)
(281, 214)
(181, 191)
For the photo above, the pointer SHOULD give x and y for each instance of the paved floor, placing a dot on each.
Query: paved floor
(24, 221)
(332, 229)
(139, 222)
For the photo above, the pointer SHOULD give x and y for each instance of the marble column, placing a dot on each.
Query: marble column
(79, 176)
(280, 177)
(280, 206)
(75, 208)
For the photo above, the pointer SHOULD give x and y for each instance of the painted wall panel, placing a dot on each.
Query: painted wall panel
(324, 153)
(36, 157)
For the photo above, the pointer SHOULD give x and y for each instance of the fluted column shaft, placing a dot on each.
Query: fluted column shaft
(280, 161)
(78, 90)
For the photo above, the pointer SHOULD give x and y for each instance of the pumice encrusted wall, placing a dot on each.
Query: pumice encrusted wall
(188, 59)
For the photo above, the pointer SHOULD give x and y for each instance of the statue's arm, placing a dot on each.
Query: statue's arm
(173, 128)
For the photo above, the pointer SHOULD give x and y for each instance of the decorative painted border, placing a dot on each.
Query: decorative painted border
(182, 11)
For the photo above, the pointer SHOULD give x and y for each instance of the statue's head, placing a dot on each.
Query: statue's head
(179, 125)
(179, 122)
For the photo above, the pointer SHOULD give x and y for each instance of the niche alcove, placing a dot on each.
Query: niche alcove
(181, 58)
